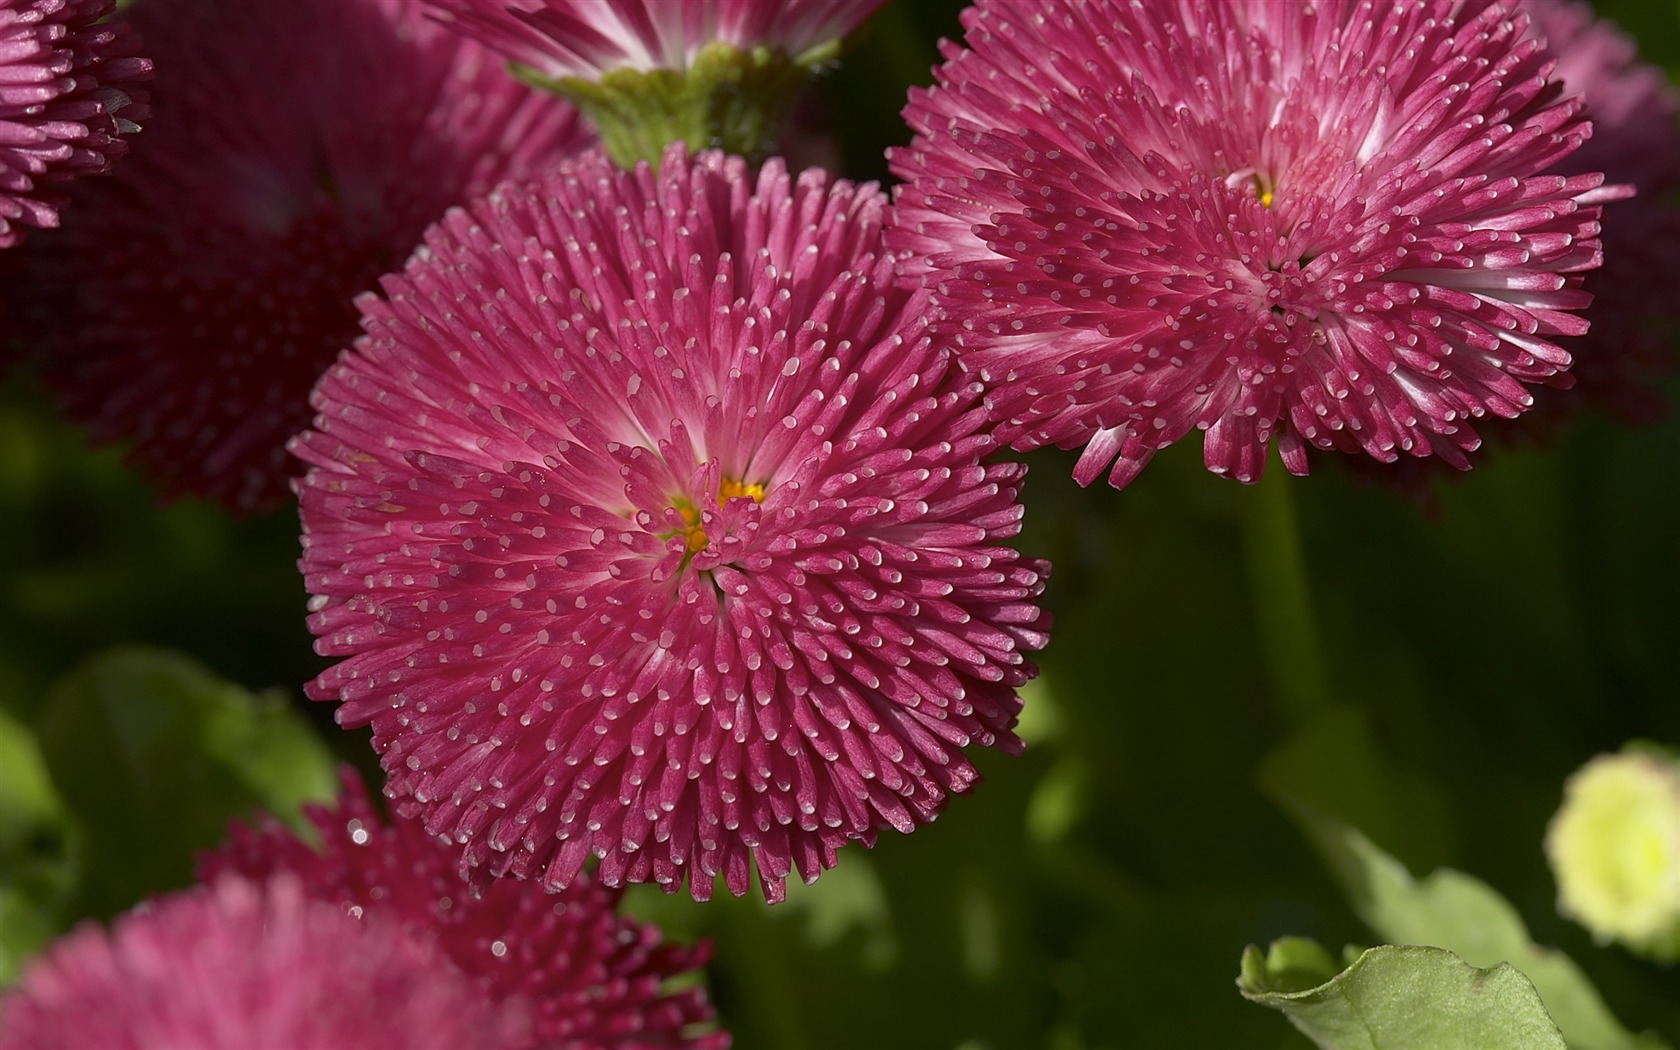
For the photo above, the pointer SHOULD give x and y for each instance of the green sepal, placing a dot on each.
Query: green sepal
(726, 99)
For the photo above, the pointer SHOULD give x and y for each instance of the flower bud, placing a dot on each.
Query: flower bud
(1614, 848)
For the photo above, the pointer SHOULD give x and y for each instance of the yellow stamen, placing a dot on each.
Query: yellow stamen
(729, 488)
(694, 537)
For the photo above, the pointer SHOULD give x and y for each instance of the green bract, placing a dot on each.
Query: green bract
(728, 98)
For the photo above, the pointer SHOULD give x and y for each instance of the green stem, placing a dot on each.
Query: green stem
(1283, 610)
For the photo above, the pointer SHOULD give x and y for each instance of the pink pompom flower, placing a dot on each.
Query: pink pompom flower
(1328, 223)
(245, 964)
(68, 76)
(593, 980)
(650, 523)
(297, 151)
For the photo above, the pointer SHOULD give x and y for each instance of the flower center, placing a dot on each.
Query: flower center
(729, 488)
(1259, 181)
(694, 536)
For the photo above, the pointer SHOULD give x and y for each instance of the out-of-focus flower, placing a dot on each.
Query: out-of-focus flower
(1614, 848)
(593, 980)
(68, 76)
(1328, 225)
(651, 524)
(298, 150)
(243, 964)
(1635, 140)
(650, 72)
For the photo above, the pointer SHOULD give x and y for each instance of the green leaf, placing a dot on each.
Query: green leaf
(154, 755)
(1333, 772)
(1400, 998)
(36, 864)
(1452, 910)
(1290, 965)
(28, 804)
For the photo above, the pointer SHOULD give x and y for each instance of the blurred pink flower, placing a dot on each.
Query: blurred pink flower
(586, 38)
(243, 964)
(593, 980)
(67, 96)
(1328, 224)
(1636, 140)
(298, 150)
(651, 524)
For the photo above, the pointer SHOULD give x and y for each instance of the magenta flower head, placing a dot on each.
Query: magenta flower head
(592, 979)
(1636, 141)
(68, 76)
(297, 152)
(244, 964)
(649, 72)
(1325, 223)
(650, 523)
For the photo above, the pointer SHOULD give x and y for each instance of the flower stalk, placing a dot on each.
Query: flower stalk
(1282, 597)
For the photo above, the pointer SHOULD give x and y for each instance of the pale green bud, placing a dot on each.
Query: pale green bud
(1614, 848)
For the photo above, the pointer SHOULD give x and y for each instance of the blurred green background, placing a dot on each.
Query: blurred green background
(1096, 892)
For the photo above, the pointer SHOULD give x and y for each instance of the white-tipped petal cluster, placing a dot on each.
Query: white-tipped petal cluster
(649, 523)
